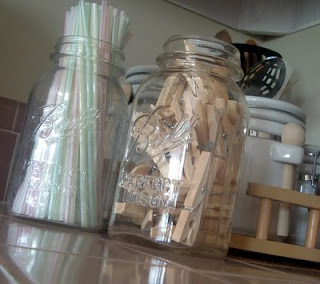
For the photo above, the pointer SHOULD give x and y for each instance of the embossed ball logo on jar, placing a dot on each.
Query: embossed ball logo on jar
(55, 124)
(160, 132)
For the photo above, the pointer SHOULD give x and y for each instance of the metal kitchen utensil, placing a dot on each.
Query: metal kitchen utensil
(266, 78)
(250, 54)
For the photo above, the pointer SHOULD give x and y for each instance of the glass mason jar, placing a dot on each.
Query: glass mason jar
(180, 174)
(69, 152)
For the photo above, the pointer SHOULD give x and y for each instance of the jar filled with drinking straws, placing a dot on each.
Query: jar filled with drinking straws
(69, 151)
(179, 178)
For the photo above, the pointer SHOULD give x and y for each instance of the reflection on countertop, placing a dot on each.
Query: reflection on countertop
(32, 252)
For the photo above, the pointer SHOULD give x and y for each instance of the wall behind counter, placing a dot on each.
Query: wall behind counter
(30, 28)
(301, 50)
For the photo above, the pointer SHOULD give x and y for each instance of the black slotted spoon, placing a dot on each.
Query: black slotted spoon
(265, 79)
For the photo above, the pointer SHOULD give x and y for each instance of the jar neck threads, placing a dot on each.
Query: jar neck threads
(100, 53)
(212, 55)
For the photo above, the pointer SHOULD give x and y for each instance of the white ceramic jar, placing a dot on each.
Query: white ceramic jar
(137, 74)
(265, 157)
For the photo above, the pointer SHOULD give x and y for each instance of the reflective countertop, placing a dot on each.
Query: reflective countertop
(32, 252)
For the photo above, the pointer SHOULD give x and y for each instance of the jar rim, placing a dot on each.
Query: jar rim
(220, 43)
(105, 51)
(208, 47)
(85, 39)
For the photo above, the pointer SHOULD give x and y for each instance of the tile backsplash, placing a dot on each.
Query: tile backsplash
(12, 114)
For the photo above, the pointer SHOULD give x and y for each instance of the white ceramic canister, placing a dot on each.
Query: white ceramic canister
(134, 77)
(265, 156)
(137, 74)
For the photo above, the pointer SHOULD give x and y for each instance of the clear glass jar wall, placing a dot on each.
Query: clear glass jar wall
(308, 182)
(180, 174)
(69, 152)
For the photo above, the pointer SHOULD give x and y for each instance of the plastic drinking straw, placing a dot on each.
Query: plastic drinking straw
(54, 175)
(126, 34)
(109, 16)
(122, 21)
(86, 20)
(63, 208)
(93, 106)
(68, 200)
(72, 179)
(63, 99)
(114, 29)
(68, 210)
(103, 21)
(83, 144)
(106, 140)
(70, 27)
(89, 24)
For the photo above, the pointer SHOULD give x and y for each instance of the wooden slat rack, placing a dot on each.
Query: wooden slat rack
(261, 244)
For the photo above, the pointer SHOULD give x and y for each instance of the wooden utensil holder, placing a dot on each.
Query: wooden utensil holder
(261, 244)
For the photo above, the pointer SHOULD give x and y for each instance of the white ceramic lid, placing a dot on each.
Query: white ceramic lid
(260, 102)
(271, 127)
(137, 79)
(274, 115)
(142, 69)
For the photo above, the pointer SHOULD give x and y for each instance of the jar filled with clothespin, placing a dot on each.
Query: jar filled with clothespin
(179, 177)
